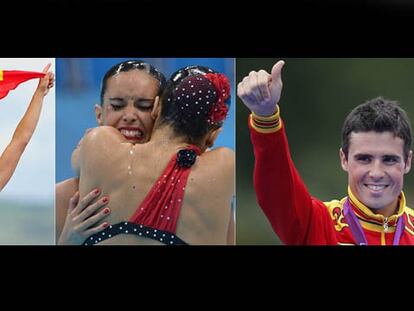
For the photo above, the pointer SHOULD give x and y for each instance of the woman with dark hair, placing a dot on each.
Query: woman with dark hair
(166, 191)
(25, 129)
(127, 96)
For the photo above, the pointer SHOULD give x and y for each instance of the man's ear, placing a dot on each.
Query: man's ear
(156, 109)
(408, 162)
(344, 161)
(212, 136)
(98, 114)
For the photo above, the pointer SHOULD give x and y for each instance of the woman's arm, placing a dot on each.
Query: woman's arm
(24, 130)
(63, 193)
(82, 218)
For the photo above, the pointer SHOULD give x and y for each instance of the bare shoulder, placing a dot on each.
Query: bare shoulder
(219, 154)
(101, 139)
(98, 142)
(221, 159)
(103, 133)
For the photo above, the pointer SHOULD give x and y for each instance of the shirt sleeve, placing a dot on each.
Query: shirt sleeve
(295, 216)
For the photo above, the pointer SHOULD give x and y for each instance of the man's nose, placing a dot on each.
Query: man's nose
(377, 170)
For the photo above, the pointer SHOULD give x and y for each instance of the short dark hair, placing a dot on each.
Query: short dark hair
(189, 100)
(131, 65)
(378, 115)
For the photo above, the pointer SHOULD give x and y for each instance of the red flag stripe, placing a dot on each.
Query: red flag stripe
(12, 78)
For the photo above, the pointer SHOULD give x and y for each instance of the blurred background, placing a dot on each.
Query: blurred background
(78, 90)
(27, 201)
(317, 95)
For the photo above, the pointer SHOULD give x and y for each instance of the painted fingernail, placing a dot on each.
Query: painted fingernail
(105, 224)
(105, 199)
(97, 191)
(106, 210)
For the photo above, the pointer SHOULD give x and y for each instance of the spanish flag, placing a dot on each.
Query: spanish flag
(10, 79)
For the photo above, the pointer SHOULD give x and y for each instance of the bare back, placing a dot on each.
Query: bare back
(127, 172)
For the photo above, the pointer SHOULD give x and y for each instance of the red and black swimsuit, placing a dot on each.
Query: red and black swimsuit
(156, 217)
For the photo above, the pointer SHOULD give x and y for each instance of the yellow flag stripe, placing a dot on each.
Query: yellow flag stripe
(1, 75)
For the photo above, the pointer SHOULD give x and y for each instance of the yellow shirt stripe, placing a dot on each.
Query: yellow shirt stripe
(1, 75)
(273, 119)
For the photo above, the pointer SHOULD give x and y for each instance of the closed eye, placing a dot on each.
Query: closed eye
(117, 103)
(117, 106)
(144, 104)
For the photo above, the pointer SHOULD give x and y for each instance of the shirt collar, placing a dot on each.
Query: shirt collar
(366, 214)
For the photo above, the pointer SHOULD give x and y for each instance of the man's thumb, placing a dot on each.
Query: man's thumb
(277, 71)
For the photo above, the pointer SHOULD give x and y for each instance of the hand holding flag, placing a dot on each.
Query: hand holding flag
(10, 79)
(47, 81)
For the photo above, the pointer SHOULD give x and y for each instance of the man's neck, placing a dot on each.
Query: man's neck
(387, 211)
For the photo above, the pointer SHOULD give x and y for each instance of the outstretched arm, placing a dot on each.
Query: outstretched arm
(279, 190)
(295, 216)
(24, 130)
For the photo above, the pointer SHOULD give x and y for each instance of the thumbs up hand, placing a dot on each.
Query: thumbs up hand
(260, 91)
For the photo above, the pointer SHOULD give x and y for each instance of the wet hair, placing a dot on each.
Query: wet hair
(378, 115)
(133, 65)
(195, 101)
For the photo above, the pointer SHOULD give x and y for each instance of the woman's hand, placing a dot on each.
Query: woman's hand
(83, 217)
(47, 82)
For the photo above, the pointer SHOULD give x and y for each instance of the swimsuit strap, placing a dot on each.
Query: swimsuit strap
(130, 228)
(161, 207)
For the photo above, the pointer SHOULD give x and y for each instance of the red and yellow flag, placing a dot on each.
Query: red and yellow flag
(10, 79)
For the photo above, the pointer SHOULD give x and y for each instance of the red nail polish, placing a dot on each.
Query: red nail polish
(97, 191)
(105, 224)
(106, 210)
(105, 199)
